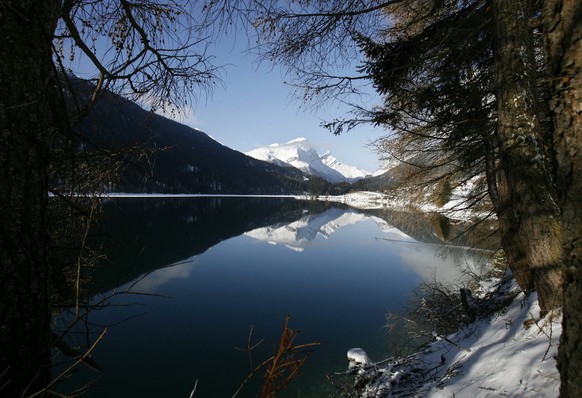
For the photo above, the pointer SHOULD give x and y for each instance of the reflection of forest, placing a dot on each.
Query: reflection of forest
(438, 229)
(465, 244)
(146, 234)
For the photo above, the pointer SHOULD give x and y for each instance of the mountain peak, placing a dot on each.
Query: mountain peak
(299, 153)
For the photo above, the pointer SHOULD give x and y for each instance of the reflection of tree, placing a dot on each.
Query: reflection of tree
(469, 245)
(438, 229)
(77, 337)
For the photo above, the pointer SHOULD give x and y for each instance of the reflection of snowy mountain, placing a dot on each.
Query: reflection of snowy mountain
(296, 234)
(300, 154)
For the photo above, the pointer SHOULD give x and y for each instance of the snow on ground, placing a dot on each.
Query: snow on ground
(456, 208)
(510, 353)
(359, 200)
(365, 200)
(459, 205)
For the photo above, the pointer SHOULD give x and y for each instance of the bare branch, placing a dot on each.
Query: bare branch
(151, 51)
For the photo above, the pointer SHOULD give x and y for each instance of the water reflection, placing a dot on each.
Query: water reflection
(145, 234)
(297, 234)
(226, 264)
(416, 253)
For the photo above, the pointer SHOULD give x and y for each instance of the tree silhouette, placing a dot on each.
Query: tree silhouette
(151, 51)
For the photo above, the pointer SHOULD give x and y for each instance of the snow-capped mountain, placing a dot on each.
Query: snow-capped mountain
(300, 154)
(352, 173)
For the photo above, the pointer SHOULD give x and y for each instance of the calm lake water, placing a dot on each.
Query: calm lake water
(205, 269)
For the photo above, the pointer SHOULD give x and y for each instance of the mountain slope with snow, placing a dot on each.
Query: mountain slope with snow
(300, 154)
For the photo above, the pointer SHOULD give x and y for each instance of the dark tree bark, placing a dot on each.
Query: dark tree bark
(26, 29)
(529, 217)
(563, 44)
(514, 252)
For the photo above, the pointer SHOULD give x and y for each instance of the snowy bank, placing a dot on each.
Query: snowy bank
(366, 200)
(510, 353)
(456, 208)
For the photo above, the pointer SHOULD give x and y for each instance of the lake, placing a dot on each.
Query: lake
(202, 271)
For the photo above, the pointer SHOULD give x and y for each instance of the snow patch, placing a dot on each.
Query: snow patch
(358, 357)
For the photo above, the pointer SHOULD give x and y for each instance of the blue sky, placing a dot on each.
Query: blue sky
(256, 108)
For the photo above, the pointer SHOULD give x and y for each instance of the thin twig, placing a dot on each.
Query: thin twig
(70, 368)
(194, 389)
(79, 260)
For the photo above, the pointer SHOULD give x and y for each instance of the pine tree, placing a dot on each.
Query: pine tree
(460, 89)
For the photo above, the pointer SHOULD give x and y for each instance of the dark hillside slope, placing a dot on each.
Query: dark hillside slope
(177, 158)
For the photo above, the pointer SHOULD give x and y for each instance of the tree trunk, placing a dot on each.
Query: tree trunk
(529, 216)
(563, 44)
(26, 29)
(514, 250)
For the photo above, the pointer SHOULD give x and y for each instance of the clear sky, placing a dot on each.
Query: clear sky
(256, 108)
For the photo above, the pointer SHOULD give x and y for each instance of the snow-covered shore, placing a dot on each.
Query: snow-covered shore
(364, 200)
(456, 208)
(178, 195)
(510, 353)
